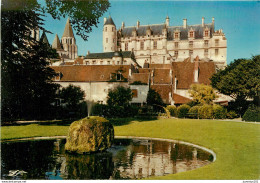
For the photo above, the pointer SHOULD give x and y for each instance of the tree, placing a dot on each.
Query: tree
(120, 96)
(27, 91)
(154, 99)
(202, 94)
(240, 80)
(72, 96)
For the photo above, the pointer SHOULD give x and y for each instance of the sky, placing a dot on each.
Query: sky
(238, 19)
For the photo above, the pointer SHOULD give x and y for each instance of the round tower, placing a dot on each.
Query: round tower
(109, 35)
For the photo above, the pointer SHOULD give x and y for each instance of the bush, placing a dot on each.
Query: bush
(193, 112)
(172, 109)
(219, 112)
(205, 112)
(182, 111)
(252, 114)
(232, 115)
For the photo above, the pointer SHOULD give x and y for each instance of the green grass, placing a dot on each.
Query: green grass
(237, 145)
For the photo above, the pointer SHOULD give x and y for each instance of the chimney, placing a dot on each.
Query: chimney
(137, 24)
(105, 19)
(123, 25)
(202, 23)
(175, 84)
(88, 53)
(196, 70)
(213, 23)
(185, 23)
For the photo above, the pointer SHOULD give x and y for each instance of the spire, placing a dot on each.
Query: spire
(68, 32)
(44, 38)
(109, 21)
(56, 43)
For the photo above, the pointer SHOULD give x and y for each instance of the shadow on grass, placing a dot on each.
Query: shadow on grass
(125, 121)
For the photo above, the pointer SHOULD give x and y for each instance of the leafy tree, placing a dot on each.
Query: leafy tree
(154, 99)
(27, 91)
(120, 96)
(202, 94)
(72, 96)
(240, 80)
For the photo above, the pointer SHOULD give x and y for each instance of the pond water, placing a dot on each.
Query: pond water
(126, 159)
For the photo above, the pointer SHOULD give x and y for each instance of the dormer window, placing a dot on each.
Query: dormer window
(191, 34)
(206, 33)
(176, 35)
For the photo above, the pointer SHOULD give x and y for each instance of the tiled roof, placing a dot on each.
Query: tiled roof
(184, 71)
(68, 32)
(87, 73)
(144, 70)
(162, 76)
(164, 91)
(158, 66)
(56, 43)
(178, 99)
(158, 28)
(109, 21)
(125, 54)
(78, 60)
(44, 38)
(142, 77)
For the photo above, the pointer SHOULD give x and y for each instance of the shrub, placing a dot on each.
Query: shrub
(219, 112)
(183, 110)
(193, 112)
(172, 109)
(232, 115)
(205, 112)
(252, 114)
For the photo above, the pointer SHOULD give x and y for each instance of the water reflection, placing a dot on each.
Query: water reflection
(126, 159)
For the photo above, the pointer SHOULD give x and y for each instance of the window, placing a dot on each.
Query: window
(176, 44)
(118, 76)
(106, 40)
(87, 62)
(191, 52)
(118, 62)
(191, 34)
(106, 29)
(112, 29)
(125, 62)
(191, 44)
(135, 93)
(206, 43)
(94, 62)
(154, 44)
(126, 46)
(142, 45)
(216, 42)
(206, 33)
(108, 62)
(176, 35)
(206, 52)
(176, 53)
(216, 52)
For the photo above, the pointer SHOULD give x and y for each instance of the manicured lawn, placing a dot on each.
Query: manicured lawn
(237, 145)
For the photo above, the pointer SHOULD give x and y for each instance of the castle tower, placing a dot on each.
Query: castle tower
(68, 41)
(109, 35)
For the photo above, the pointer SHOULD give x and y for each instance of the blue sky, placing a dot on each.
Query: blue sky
(238, 19)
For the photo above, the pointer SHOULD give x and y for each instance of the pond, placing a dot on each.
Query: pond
(126, 159)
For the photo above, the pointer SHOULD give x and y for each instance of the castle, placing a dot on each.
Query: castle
(165, 58)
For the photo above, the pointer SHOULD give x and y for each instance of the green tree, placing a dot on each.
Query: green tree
(202, 94)
(27, 91)
(240, 80)
(72, 96)
(119, 96)
(154, 99)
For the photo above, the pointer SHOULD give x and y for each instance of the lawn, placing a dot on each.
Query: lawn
(237, 145)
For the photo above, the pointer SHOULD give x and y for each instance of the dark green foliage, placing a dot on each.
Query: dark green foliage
(252, 114)
(194, 112)
(172, 109)
(138, 83)
(239, 80)
(232, 115)
(182, 111)
(154, 99)
(219, 112)
(119, 96)
(206, 112)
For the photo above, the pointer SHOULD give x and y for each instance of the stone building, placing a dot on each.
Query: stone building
(66, 48)
(163, 44)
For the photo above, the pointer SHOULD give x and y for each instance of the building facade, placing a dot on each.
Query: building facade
(164, 44)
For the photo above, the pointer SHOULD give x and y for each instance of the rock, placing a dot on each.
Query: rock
(90, 134)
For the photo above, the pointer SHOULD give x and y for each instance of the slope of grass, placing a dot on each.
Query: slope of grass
(237, 145)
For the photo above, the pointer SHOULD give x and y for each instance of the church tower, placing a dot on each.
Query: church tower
(68, 41)
(109, 35)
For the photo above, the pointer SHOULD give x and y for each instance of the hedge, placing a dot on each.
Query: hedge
(193, 112)
(219, 112)
(182, 111)
(206, 111)
(172, 109)
(252, 114)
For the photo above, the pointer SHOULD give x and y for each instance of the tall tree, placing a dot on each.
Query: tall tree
(240, 80)
(26, 89)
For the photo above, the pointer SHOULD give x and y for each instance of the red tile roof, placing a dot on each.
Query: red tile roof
(86, 73)
(142, 77)
(178, 99)
(164, 91)
(162, 76)
(158, 66)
